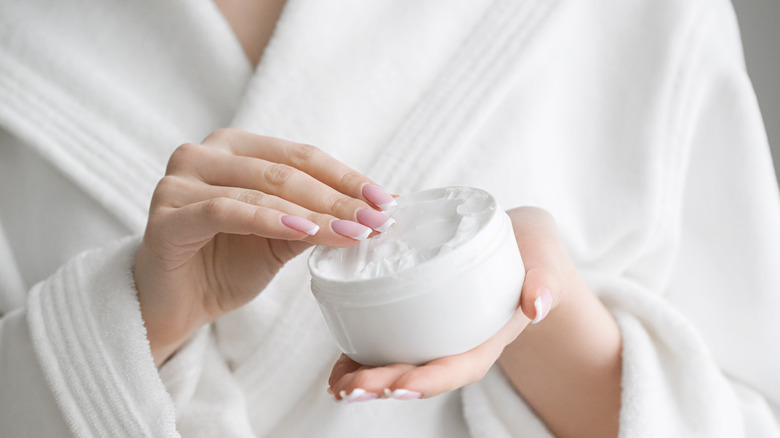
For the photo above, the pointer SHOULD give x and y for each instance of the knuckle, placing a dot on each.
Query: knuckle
(278, 174)
(342, 203)
(181, 156)
(303, 153)
(215, 208)
(252, 197)
(223, 134)
(351, 178)
(362, 379)
(167, 187)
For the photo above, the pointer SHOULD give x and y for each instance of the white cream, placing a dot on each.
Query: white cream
(426, 226)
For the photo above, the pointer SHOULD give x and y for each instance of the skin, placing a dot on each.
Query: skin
(253, 23)
(214, 240)
(215, 237)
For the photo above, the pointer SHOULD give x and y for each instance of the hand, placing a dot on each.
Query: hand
(228, 214)
(549, 272)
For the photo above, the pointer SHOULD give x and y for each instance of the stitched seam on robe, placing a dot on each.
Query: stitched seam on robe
(450, 113)
(58, 127)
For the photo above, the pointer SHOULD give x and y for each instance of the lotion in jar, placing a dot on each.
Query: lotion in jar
(444, 279)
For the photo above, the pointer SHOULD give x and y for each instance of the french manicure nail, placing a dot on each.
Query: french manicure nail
(542, 303)
(357, 395)
(379, 197)
(350, 229)
(366, 397)
(300, 224)
(374, 219)
(402, 394)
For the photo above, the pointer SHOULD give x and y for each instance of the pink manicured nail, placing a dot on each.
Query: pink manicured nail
(402, 394)
(350, 229)
(300, 224)
(377, 196)
(542, 303)
(374, 219)
(366, 397)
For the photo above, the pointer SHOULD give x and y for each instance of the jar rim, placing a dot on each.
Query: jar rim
(477, 247)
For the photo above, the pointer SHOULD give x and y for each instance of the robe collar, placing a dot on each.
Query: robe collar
(394, 91)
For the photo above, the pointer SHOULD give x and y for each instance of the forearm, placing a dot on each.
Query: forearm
(568, 367)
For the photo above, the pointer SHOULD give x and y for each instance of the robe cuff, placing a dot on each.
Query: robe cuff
(671, 384)
(88, 335)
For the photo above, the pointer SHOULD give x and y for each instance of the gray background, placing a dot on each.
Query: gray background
(759, 21)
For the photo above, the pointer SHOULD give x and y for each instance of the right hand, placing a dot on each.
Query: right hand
(228, 214)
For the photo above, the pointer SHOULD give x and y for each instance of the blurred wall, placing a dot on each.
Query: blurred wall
(759, 21)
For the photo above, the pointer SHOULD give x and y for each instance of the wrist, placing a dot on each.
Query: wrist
(568, 367)
(168, 320)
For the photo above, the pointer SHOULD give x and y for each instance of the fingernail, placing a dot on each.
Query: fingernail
(402, 394)
(542, 303)
(366, 397)
(377, 196)
(357, 395)
(300, 224)
(350, 229)
(374, 219)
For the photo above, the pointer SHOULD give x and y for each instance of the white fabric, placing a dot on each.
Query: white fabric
(632, 122)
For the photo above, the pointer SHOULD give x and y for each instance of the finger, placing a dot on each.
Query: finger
(453, 372)
(285, 182)
(365, 382)
(544, 257)
(196, 223)
(344, 365)
(329, 230)
(306, 158)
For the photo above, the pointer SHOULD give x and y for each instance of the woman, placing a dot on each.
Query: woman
(633, 125)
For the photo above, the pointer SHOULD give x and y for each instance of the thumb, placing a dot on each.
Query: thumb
(544, 257)
(537, 296)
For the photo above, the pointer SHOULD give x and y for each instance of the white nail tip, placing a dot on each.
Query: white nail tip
(382, 228)
(364, 235)
(357, 392)
(539, 310)
(388, 205)
(313, 230)
(395, 394)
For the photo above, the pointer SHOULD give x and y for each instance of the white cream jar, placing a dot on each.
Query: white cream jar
(442, 280)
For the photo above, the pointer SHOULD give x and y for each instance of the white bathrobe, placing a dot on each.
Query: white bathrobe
(632, 122)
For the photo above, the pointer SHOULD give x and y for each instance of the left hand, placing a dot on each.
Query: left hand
(549, 273)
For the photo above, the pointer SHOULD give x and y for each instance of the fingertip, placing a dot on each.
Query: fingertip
(536, 297)
(542, 305)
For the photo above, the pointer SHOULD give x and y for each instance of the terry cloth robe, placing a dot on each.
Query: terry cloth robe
(633, 123)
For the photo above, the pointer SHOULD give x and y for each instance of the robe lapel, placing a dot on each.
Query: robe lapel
(345, 75)
(393, 92)
(105, 90)
(390, 90)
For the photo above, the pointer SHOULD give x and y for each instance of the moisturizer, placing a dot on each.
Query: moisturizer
(444, 279)
(426, 227)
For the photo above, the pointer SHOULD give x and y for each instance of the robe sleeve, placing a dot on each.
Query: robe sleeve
(77, 354)
(701, 352)
(702, 358)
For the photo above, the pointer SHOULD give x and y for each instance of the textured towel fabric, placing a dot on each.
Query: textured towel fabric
(633, 123)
